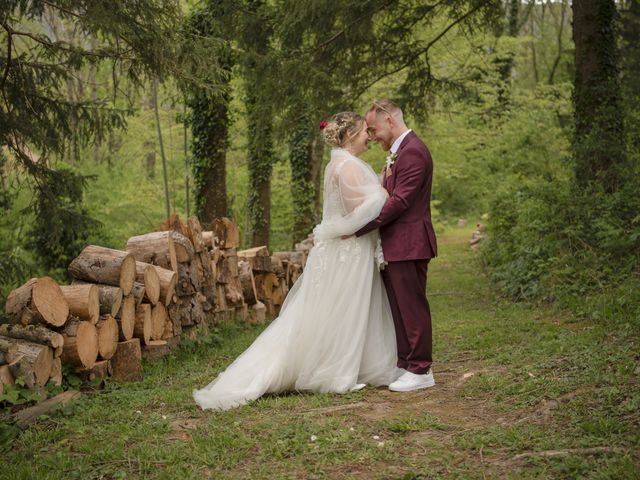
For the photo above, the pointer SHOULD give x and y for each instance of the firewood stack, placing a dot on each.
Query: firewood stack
(224, 241)
(29, 347)
(176, 254)
(266, 279)
(125, 305)
(132, 311)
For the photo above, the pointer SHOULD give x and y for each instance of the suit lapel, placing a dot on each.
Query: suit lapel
(404, 143)
(389, 180)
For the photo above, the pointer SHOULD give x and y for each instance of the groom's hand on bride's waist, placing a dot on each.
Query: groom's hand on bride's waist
(345, 237)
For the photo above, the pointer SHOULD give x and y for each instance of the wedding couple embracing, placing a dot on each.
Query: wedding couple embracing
(358, 315)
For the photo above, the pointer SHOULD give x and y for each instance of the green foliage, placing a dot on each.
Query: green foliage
(568, 231)
(549, 241)
(18, 394)
(62, 225)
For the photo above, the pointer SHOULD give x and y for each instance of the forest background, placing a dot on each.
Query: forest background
(523, 126)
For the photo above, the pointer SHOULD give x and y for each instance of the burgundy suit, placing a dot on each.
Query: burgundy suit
(408, 242)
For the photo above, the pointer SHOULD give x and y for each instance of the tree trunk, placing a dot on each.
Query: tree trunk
(40, 300)
(556, 62)
(599, 147)
(31, 361)
(80, 344)
(154, 87)
(83, 301)
(302, 187)
(260, 163)
(156, 248)
(127, 361)
(110, 297)
(209, 142)
(36, 334)
(105, 265)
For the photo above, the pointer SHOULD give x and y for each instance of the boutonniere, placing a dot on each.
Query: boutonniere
(391, 159)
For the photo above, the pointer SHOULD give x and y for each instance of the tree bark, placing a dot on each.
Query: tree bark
(110, 297)
(105, 265)
(127, 361)
(156, 248)
(31, 361)
(36, 334)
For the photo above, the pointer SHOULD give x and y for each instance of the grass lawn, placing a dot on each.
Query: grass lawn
(522, 392)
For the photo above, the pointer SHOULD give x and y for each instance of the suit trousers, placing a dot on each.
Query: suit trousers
(406, 284)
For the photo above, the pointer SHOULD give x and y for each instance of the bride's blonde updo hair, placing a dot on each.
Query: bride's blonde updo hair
(341, 128)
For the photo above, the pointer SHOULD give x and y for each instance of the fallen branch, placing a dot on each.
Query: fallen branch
(567, 451)
(29, 415)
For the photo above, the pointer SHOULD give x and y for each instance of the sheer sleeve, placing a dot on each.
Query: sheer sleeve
(361, 197)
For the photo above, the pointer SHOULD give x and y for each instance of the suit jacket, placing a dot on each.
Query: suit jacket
(405, 224)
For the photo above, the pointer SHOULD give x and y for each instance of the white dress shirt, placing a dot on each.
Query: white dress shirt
(396, 145)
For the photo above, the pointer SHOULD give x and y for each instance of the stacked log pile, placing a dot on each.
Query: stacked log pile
(126, 305)
(223, 242)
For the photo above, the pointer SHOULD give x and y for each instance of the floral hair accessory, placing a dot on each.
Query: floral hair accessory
(323, 124)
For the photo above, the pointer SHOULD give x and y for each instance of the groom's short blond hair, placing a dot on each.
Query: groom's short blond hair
(386, 106)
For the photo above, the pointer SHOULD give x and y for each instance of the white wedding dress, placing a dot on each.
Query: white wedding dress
(335, 327)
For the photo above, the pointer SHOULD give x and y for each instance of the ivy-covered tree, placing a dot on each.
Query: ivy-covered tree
(209, 113)
(256, 27)
(599, 147)
(303, 188)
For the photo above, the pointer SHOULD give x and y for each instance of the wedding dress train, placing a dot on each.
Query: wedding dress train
(335, 327)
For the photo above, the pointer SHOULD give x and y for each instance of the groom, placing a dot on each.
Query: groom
(408, 241)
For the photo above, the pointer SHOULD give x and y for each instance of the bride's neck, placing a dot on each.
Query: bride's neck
(352, 151)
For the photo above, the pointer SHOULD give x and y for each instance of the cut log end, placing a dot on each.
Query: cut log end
(127, 274)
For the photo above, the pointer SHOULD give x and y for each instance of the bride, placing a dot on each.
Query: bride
(335, 331)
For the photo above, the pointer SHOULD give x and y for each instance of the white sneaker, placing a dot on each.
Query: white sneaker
(412, 381)
(397, 373)
(357, 386)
